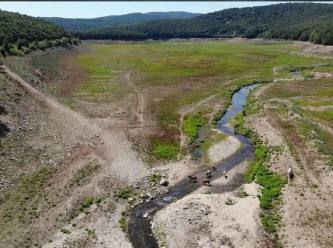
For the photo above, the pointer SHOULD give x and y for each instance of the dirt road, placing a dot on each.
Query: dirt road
(112, 147)
(139, 104)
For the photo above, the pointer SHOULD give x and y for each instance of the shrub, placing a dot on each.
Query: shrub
(125, 193)
(65, 231)
(87, 202)
(123, 221)
(155, 178)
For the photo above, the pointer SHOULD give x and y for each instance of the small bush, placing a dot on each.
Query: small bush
(123, 221)
(125, 193)
(229, 201)
(65, 231)
(155, 178)
(91, 233)
(15, 51)
(87, 202)
(83, 175)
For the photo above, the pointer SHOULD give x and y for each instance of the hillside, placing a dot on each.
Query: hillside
(116, 20)
(21, 33)
(298, 21)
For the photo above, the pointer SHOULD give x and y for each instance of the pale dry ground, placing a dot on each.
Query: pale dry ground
(307, 201)
(176, 171)
(310, 49)
(204, 220)
(106, 227)
(222, 150)
(112, 145)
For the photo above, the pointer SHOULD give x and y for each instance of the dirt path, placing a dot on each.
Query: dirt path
(138, 108)
(182, 116)
(112, 145)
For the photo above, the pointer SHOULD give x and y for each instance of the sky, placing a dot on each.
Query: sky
(98, 9)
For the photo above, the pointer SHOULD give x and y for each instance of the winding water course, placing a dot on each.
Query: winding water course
(139, 226)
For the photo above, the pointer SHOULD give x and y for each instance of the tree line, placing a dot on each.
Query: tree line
(20, 34)
(296, 21)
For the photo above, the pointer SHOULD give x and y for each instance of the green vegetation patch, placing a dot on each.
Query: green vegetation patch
(325, 115)
(192, 124)
(271, 182)
(125, 193)
(20, 205)
(83, 175)
(103, 83)
(313, 102)
(165, 149)
(123, 224)
(82, 207)
(310, 130)
(155, 178)
(87, 202)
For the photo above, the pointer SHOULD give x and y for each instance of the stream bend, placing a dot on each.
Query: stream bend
(139, 226)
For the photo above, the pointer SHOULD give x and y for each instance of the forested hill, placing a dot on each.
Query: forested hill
(297, 21)
(115, 21)
(20, 34)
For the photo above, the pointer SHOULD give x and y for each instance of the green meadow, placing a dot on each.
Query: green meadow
(180, 73)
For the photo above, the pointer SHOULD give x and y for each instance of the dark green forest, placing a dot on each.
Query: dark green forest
(296, 21)
(79, 24)
(20, 34)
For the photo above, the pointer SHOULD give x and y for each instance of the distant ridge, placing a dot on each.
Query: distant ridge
(82, 24)
(296, 21)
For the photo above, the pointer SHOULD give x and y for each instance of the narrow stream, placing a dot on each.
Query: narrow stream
(139, 227)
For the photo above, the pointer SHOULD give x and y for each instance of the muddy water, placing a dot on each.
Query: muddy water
(139, 227)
